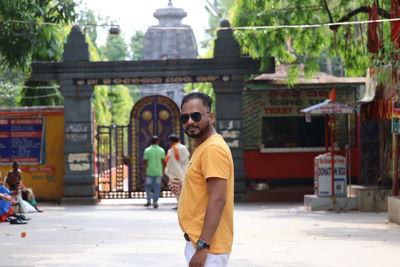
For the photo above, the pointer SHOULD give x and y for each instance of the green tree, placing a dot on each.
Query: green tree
(307, 44)
(101, 105)
(100, 101)
(115, 48)
(111, 104)
(121, 104)
(136, 53)
(218, 11)
(136, 46)
(30, 33)
(11, 84)
(88, 19)
(24, 38)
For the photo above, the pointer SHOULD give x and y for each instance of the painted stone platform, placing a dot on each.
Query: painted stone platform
(370, 198)
(316, 203)
(394, 209)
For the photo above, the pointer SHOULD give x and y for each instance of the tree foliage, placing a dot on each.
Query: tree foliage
(88, 19)
(306, 44)
(100, 101)
(114, 49)
(136, 46)
(11, 83)
(30, 31)
(121, 104)
(219, 11)
(23, 38)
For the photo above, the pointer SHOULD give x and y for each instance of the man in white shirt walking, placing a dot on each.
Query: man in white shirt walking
(177, 159)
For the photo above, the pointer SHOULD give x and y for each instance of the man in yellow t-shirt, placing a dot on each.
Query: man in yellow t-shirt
(205, 208)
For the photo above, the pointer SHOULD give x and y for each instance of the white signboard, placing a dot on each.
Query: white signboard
(322, 175)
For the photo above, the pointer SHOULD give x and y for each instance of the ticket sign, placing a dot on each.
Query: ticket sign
(21, 139)
(396, 121)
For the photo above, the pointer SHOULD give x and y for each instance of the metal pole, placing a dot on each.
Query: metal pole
(332, 125)
(349, 149)
(395, 185)
(326, 133)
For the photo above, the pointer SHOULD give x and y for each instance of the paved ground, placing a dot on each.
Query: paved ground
(118, 233)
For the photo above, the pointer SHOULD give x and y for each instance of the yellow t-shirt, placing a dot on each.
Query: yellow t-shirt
(212, 158)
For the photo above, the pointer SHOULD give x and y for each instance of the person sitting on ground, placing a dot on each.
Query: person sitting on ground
(6, 212)
(14, 181)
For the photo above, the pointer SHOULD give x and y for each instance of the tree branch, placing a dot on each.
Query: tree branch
(327, 10)
(363, 9)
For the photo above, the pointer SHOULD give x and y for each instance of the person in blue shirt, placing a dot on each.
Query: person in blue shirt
(6, 212)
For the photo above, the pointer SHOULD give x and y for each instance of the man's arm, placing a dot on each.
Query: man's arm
(163, 166)
(144, 167)
(5, 197)
(216, 203)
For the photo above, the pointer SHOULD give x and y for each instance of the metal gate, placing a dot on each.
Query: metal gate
(112, 173)
(120, 148)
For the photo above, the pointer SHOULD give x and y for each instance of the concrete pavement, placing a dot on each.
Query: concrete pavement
(124, 233)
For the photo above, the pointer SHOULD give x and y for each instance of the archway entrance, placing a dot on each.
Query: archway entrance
(77, 76)
(120, 149)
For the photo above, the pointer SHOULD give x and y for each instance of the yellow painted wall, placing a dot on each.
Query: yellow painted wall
(47, 179)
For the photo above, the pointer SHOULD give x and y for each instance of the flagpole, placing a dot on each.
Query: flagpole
(332, 97)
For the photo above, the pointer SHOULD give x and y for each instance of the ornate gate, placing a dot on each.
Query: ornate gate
(120, 149)
(112, 173)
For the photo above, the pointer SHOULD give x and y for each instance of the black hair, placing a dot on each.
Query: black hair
(154, 139)
(206, 99)
(173, 138)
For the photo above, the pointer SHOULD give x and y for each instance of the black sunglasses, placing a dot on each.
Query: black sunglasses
(196, 116)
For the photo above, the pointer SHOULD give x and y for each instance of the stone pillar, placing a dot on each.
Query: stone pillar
(78, 128)
(229, 105)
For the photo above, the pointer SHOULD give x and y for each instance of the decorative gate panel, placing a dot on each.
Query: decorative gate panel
(152, 115)
(111, 172)
(120, 148)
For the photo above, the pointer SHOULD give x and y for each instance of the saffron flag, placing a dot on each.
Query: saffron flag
(332, 95)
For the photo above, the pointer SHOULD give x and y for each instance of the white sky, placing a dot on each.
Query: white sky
(134, 15)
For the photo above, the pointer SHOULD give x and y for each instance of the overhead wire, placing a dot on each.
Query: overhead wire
(263, 27)
(60, 24)
(318, 25)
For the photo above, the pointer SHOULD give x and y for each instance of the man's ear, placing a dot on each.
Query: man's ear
(211, 116)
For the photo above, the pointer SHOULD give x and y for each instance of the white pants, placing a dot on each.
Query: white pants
(213, 260)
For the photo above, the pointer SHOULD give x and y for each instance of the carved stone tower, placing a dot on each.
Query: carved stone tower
(170, 39)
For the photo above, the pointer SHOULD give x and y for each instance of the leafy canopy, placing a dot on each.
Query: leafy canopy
(23, 38)
(305, 45)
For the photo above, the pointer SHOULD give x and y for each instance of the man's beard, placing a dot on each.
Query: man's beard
(200, 133)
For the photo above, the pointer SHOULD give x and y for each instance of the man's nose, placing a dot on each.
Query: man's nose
(190, 121)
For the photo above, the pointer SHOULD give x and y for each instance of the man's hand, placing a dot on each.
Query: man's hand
(175, 185)
(199, 258)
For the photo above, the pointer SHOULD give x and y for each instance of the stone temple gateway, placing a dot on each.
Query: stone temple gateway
(77, 77)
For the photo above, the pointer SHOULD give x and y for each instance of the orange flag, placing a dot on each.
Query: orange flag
(332, 94)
